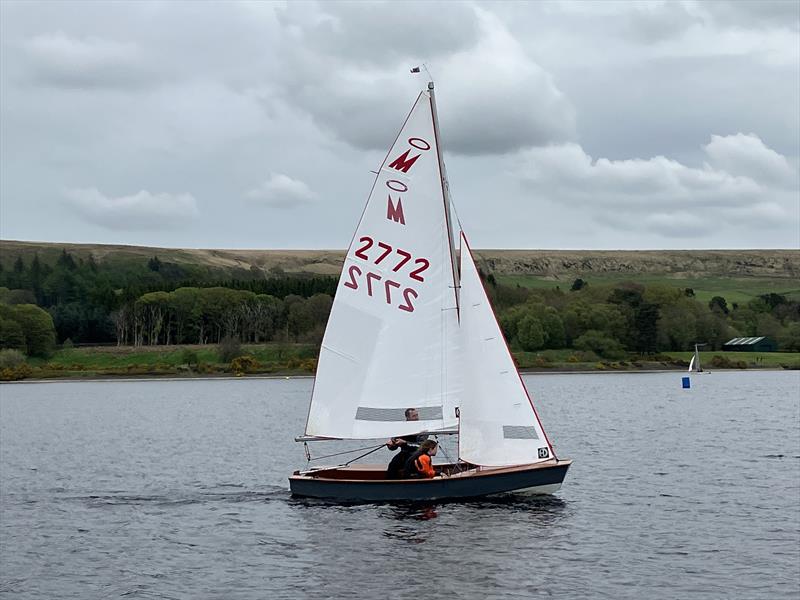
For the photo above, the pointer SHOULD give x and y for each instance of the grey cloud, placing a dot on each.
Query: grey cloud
(665, 196)
(754, 13)
(383, 33)
(63, 61)
(496, 99)
(654, 22)
(212, 97)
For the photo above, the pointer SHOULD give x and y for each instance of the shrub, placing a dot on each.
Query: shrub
(11, 358)
(244, 364)
(67, 344)
(229, 348)
(723, 362)
(189, 357)
(15, 373)
(598, 342)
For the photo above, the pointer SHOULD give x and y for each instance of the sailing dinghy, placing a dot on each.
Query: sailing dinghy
(694, 363)
(411, 327)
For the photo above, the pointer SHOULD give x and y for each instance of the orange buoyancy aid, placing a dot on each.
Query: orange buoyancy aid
(424, 466)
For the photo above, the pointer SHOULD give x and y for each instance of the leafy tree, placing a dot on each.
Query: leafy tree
(718, 303)
(37, 324)
(530, 333)
(600, 343)
(21, 297)
(578, 284)
(789, 339)
(646, 327)
(11, 334)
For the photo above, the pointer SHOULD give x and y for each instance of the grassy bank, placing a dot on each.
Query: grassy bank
(301, 359)
(190, 360)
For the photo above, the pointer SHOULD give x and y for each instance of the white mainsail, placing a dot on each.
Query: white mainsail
(694, 364)
(499, 425)
(393, 326)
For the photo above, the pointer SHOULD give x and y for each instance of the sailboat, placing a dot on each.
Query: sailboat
(694, 363)
(411, 326)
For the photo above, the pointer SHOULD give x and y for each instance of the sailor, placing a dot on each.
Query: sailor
(420, 464)
(408, 444)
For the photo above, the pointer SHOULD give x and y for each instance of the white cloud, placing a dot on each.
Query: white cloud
(140, 211)
(281, 191)
(747, 155)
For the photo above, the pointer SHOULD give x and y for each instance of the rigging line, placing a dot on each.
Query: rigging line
(365, 454)
(347, 452)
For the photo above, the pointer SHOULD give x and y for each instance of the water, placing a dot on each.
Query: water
(162, 489)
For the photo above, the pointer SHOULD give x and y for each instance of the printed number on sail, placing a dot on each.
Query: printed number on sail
(390, 287)
(367, 243)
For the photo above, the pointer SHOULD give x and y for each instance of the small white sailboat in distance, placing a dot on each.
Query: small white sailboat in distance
(694, 363)
(411, 327)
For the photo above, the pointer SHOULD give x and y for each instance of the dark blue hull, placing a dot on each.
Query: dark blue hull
(366, 484)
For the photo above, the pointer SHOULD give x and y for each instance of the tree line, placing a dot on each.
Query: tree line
(108, 302)
(612, 320)
(155, 302)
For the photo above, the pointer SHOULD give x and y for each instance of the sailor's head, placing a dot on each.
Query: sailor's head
(429, 446)
(412, 414)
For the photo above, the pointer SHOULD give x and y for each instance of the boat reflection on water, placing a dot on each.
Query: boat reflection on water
(407, 521)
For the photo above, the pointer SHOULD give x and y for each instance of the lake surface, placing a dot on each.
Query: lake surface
(177, 489)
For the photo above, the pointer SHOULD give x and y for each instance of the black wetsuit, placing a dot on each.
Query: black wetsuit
(398, 462)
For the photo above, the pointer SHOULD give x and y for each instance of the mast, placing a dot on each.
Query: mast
(446, 196)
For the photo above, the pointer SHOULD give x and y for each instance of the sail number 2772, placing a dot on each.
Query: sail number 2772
(391, 289)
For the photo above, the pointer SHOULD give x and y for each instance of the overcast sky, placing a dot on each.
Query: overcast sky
(566, 125)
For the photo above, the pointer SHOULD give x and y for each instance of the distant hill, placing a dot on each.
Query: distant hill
(555, 265)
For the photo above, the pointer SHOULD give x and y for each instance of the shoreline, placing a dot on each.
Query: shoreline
(226, 377)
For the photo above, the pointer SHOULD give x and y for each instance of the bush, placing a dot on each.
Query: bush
(11, 358)
(229, 348)
(598, 342)
(244, 364)
(15, 373)
(189, 357)
(723, 362)
(67, 344)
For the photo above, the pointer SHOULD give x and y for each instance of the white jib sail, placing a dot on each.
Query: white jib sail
(393, 320)
(499, 426)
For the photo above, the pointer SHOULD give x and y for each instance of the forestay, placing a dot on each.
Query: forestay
(393, 327)
(499, 425)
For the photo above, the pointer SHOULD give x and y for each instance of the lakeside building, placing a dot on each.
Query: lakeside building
(750, 344)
